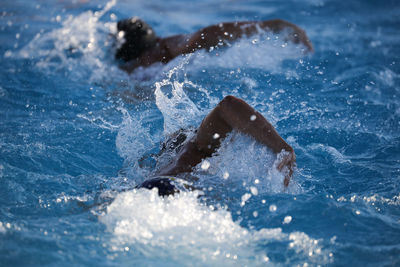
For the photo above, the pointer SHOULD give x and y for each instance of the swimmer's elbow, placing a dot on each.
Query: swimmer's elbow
(228, 102)
(228, 99)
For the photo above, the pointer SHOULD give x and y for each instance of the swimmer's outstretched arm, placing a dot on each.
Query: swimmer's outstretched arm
(231, 113)
(229, 31)
(165, 49)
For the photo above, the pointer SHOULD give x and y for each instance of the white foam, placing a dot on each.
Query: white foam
(82, 44)
(264, 50)
(255, 163)
(187, 232)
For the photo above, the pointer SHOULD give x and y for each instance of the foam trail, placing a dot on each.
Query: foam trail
(183, 230)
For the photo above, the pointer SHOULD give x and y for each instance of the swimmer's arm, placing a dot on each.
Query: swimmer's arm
(217, 35)
(185, 160)
(231, 113)
(148, 57)
(297, 35)
(234, 113)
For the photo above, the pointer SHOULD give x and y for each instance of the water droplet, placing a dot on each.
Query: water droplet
(245, 197)
(254, 191)
(287, 219)
(272, 208)
(253, 117)
(205, 165)
(226, 175)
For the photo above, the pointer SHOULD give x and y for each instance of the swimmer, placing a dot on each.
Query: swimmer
(141, 47)
(230, 114)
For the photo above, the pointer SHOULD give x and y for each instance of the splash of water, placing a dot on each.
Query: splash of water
(255, 168)
(182, 229)
(134, 140)
(264, 50)
(82, 43)
(177, 108)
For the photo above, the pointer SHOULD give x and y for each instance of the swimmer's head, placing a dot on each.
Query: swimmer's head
(137, 37)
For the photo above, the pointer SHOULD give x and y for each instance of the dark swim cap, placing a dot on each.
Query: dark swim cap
(165, 186)
(138, 36)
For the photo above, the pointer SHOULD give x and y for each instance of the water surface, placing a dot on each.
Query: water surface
(77, 134)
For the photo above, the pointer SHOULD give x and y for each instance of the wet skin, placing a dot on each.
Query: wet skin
(143, 48)
(165, 49)
(230, 114)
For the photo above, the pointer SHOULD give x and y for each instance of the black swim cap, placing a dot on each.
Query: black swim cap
(165, 186)
(138, 36)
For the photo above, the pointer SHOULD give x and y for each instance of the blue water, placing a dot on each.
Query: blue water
(77, 133)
